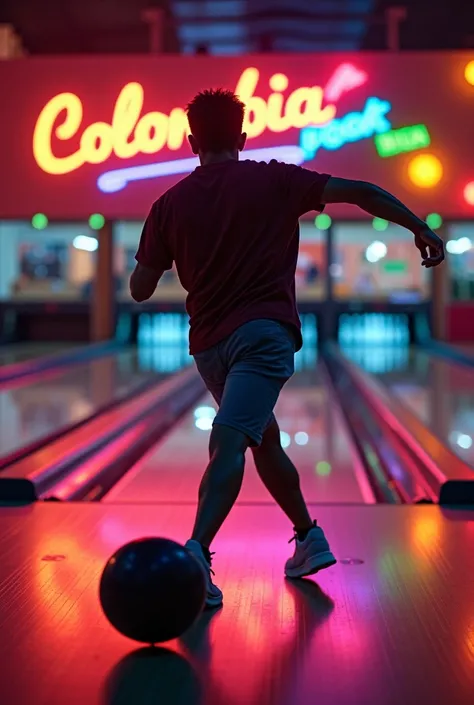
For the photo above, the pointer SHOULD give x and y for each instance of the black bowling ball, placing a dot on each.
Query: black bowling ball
(152, 590)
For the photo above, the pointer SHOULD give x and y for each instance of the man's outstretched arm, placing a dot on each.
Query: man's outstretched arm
(381, 204)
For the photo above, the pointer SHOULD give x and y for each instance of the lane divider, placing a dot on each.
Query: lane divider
(441, 471)
(98, 453)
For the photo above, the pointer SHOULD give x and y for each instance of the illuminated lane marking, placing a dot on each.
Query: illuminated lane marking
(118, 179)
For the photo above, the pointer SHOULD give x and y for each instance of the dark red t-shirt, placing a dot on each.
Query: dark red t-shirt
(232, 229)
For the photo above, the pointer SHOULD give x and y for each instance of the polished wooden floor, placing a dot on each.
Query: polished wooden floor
(391, 624)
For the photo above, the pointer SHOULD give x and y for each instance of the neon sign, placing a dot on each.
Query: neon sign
(404, 139)
(117, 179)
(130, 133)
(351, 128)
(344, 79)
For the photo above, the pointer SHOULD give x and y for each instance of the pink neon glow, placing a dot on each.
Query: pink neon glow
(469, 193)
(344, 79)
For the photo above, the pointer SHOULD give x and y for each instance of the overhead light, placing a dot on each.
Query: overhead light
(323, 221)
(458, 247)
(375, 251)
(434, 221)
(96, 221)
(84, 242)
(39, 221)
(380, 224)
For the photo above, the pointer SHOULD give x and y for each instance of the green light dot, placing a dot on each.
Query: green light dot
(323, 468)
(379, 224)
(323, 221)
(39, 221)
(96, 221)
(434, 221)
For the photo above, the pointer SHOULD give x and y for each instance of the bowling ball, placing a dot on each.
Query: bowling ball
(152, 590)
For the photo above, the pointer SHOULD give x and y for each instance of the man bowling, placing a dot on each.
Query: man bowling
(231, 228)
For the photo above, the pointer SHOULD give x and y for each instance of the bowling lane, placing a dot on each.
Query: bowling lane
(32, 412)
(439, 392)
(313, 433)
(12, 354)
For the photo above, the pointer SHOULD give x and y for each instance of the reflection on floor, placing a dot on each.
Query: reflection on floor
(30, 412)
(164, 358)
(12, 354)
(397, 607)
(391, 624)
(313, 432)
(377, 359)
(440, 393)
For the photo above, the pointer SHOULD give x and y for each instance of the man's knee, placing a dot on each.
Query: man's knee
(227, 440)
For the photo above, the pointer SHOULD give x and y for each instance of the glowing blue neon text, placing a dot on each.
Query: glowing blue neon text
(350, 128)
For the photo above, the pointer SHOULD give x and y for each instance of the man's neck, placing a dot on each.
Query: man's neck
(218, 157)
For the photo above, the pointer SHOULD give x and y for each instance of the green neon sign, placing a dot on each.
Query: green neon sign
(404, 139)
(395, 266)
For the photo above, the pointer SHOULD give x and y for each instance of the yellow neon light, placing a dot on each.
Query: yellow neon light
(425, 170)
(130, 133)
(469, 73)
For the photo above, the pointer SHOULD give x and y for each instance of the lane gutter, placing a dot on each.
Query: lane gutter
(46, 440)
(444, 477)
(87, 462)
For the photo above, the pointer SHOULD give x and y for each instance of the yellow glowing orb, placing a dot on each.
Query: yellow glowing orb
(425, 170)
(469, 73)
(469, 193)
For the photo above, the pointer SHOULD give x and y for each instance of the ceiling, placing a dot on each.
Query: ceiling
(235, 26)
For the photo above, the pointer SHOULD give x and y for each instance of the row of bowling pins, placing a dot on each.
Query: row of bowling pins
(354, 328)
(173, 328)
(164, 328)
(167, 359)
(373, 329)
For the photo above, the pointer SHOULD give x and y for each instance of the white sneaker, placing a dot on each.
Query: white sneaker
(214, 594)
(310, 556)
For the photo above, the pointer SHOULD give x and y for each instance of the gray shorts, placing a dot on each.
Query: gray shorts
(245, 373)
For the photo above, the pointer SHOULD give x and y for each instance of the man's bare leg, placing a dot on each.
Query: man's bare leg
(221, 483)
(281, 478)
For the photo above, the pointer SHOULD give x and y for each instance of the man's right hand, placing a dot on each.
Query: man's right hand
(431, 247)
(381, 204)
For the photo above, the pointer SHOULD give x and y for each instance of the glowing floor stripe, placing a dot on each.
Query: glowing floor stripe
(117, 179)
